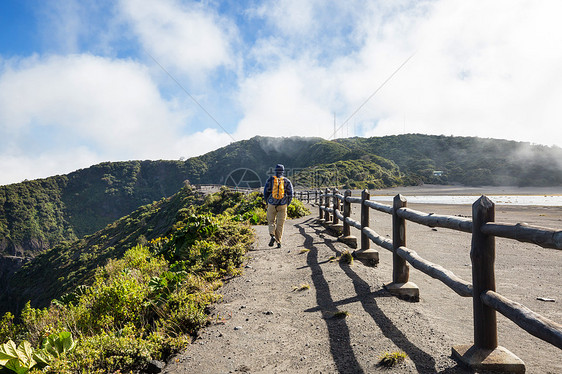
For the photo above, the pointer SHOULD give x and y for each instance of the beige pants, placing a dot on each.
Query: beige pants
(276, 215)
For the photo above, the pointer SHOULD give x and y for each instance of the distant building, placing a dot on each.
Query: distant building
(438, 173)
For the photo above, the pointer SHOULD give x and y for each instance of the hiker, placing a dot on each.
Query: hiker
(278, 193)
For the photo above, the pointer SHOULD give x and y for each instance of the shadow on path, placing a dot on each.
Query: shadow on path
(340, 345)
(338, 329)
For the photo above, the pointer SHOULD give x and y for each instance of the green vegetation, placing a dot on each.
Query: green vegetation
(69, 265)
(369, 172)
(341, 314)
(142, 304)
(466, 160)
(390, 359)
(250, 208)
(37, 215)
(346, 257)
(120, 267)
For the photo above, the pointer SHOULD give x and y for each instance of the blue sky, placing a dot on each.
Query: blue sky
(86, 81)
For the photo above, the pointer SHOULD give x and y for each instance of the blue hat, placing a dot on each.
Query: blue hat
(279, 169)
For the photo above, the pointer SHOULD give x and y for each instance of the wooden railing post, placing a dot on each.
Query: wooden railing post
(308, 196)
(400, 268)
(326, 205)
(320, 211)
(336, 227)
(485, 353)
(336, 205)
(483, 255)
(346, 237)
(346, 213)
(400, 285)
(365, 242)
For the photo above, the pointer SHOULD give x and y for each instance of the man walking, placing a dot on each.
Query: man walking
(278, 193)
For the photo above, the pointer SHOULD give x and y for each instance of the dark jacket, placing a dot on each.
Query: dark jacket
(288, 192)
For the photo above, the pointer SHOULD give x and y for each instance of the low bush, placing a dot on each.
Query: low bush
(141, 307)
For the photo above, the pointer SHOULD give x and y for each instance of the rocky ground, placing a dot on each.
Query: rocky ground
(295, 310)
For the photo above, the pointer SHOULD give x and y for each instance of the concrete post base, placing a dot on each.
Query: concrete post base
(369, 257)
(337, 229)
(497, 360)
(349, 240)
(406, 291)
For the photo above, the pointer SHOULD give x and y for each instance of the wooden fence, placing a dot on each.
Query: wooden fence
(485, 352)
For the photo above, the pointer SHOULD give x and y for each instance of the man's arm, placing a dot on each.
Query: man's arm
(267, 189)
(289, 192)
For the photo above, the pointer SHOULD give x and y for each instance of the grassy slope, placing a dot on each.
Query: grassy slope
(60, 269)
(36, 215)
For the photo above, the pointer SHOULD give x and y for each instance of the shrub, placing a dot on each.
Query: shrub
(297, 209)
(391, 359)
(143, 306)
(346, 257)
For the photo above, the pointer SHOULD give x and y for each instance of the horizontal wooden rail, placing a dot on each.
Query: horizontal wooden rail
(484, 231)
(353, 223)
(436, 220)
(340, 215)
(353, 200)
(525, 318)
(460, 286)
(380, 207)
(523, 232)
(378, 239)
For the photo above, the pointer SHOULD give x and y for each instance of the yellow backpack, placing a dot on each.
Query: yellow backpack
(278, 190)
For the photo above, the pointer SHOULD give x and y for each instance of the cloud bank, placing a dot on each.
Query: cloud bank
(277, 68)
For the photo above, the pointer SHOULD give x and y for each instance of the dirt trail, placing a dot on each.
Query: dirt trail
(267, 324)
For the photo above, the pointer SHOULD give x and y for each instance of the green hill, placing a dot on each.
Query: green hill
(136, 291)
(36, 215)
(466, 160)
(71, 263)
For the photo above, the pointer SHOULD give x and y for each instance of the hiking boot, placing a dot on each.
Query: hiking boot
(272, 241)
(279, 245)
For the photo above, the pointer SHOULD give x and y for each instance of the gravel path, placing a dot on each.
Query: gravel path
(280, 316)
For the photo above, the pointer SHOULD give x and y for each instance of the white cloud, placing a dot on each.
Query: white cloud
(62, 113)
(184, 37)
(18, 167)
(292, 100)
(488, 69)
(201, 142)
(111, 104)
(290, 17)
(484, 69)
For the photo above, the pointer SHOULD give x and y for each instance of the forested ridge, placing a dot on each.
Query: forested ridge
(37, 214)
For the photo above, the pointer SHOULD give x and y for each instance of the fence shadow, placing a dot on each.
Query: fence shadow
(338, 329)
